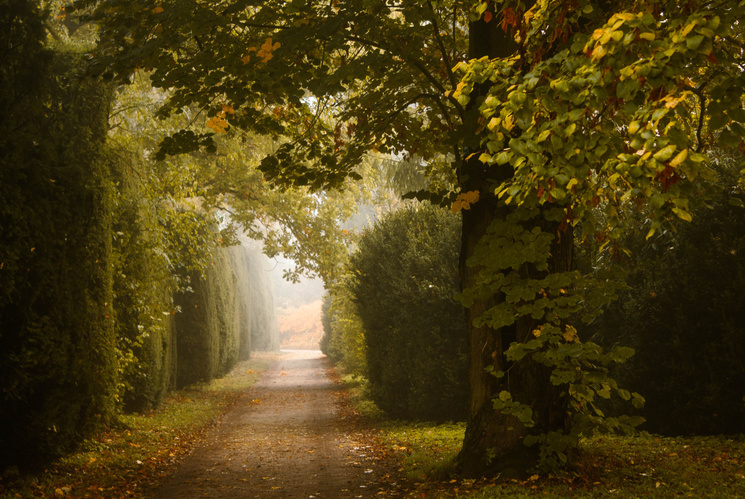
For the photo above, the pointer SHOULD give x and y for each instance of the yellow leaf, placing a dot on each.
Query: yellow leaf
(218, 124)
(509, 122)
(157, 10)
(570, 334)
(679, 158)
(682, 214)
(688, 28)
(464, 201)
(599, 52)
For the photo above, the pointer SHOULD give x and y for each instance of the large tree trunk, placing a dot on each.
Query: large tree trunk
(493, 441)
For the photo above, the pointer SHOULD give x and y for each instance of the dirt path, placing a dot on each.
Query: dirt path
(290, 436)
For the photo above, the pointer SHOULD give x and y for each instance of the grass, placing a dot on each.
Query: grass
(612, 467)
(122, 461)
(642, 466)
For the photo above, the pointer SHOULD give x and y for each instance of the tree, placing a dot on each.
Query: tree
(566, 111)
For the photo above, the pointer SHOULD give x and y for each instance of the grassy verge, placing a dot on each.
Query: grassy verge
(120, 462)
(625, 467)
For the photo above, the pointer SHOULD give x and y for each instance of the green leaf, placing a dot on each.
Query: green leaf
(694, 42)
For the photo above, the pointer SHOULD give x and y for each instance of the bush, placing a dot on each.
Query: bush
(343, 338)
(143, 297)
(57, 355)
(208, 325)
(683, 314)
(405, 276)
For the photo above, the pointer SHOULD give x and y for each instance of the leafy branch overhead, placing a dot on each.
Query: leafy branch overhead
(332, 80)
(622, 113)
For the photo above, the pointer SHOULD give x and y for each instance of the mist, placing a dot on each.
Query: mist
(255, 286)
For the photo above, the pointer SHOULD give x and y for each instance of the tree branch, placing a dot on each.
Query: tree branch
(445, 58)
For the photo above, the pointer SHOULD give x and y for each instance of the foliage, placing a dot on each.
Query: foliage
(264, 59)
(325, 343)
(580, 112)
(614, 110)
(57, 358)
(682, 314)
(343, 331)
(227, 183)
(207, 327)
(263, 325)
(404, 278)
(143, 296)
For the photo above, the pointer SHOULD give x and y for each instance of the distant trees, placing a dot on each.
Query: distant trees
(399, 300)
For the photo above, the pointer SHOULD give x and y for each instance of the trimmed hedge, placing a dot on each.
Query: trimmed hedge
(405, 276)
(57, 346)
(228, 309)
(262, 314)
(143, 297)
(683, 314)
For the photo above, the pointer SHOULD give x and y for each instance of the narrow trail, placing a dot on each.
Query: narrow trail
(290, 436)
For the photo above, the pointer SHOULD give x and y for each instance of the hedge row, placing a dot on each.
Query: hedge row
(57, 344)
(95, 312)
(683, 314)
(398, 302)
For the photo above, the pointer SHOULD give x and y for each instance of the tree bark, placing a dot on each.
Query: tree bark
(493, 441)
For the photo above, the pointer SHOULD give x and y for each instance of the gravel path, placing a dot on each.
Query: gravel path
(291, 436)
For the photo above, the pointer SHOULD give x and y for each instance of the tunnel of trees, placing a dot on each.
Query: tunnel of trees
(573, 142)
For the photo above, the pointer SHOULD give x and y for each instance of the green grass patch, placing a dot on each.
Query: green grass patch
(122, 460)
(642, 466)
(426, 450)
(624, 467)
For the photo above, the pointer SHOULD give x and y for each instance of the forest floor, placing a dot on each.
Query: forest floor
(293, 435)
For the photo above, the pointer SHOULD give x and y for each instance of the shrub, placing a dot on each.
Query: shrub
(405, 276)
(57, 355)
(683, 314)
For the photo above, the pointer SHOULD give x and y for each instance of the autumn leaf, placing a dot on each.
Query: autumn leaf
(464, 201)
(570, 334)
(266, 49)
(218, 124)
